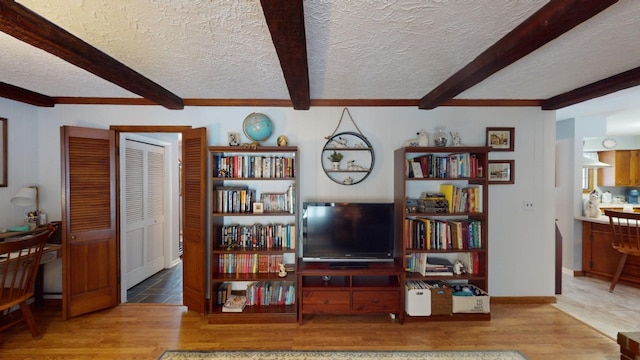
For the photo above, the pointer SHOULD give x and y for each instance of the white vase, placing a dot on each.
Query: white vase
(336, 165)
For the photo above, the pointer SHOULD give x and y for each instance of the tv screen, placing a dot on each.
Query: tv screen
(347, 232)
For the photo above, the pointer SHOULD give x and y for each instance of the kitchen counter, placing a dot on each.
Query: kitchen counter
(599, 259)
(602, 219)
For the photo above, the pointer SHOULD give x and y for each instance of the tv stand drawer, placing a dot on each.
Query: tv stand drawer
(326, 301)
(376, 301)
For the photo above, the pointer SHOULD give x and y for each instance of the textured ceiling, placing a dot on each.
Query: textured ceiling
(215, 49)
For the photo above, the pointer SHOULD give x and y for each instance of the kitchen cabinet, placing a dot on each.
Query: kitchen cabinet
(625, 169)
(600, 260)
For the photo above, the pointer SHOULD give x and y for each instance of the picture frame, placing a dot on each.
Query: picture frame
(501, 171)
(3, 149)
(258, 208)
(233, 138)
(501, 138)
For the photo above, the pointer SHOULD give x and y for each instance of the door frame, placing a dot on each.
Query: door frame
(169, 215)
(120, 130)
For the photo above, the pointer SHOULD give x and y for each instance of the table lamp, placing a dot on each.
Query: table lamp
(27, 196)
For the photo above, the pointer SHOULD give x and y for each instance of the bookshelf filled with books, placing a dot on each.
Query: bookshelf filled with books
(253, 234)
(441, 206)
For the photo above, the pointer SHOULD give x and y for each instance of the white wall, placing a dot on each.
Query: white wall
(520, 241)
(569, 146)
(23, 158)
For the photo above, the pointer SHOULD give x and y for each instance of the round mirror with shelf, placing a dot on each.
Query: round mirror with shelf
(357, 158)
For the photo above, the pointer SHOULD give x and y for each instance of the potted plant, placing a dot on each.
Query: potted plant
(335, 158)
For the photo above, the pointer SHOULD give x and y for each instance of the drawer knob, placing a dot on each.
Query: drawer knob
(375, 301)
(326, 301)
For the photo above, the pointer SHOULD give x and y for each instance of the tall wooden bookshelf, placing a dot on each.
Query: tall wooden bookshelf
(461, 169)
(248, 241)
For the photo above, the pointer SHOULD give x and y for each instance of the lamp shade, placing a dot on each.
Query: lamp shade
(588, 162)
(27, 196)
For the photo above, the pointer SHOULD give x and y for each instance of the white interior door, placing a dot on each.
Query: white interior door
(144, 210)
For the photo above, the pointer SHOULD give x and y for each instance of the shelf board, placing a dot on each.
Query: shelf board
(418, 276)
(348, 149)
(346, 171)
(259, 251)
(266, 213)
(252, 179)
(451, 317)
(255, 314)
(226, 277)
(439, 251)
(258, 149)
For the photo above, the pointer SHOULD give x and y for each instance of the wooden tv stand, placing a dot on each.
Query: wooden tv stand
(376, 288)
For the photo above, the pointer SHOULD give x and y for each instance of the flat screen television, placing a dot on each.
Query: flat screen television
(347, 233)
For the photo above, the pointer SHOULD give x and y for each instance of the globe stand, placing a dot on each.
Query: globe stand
(252, 145)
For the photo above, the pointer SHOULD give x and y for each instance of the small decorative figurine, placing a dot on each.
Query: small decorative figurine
(348, 181)
(351, 166)
(282, 273)
(339, 143)
(456, 140)
(421, 140)
(458, 267)
(591, 205)
(282, 140)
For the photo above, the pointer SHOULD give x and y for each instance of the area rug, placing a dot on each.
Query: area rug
(341, 355)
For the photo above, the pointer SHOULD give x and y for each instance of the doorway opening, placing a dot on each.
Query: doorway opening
(150, 218)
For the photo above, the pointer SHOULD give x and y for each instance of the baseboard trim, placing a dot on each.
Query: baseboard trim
(57, 303)
(523, 299)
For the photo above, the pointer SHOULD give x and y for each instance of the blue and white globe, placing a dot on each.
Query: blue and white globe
(257, 127)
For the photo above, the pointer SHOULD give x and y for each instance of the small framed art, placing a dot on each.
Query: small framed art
(501, 171)
(258, 208)
(233, 138)
(501, 138)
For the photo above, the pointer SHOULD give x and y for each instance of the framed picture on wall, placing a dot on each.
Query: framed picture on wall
(3, 149)
(500, 138)
(501, 171)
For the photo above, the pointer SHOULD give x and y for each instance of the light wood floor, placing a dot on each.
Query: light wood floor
(590, 301)
(144, 331)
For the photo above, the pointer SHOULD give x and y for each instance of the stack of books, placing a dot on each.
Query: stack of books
(235, 303)
(434, 266)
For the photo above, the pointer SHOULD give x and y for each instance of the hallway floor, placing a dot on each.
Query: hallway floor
(165, 287)
(589, 300)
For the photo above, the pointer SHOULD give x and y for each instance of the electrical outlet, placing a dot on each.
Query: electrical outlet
(527, 205)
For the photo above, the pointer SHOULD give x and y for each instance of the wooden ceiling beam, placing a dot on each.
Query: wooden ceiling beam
(285, 19)
(31, 28)
(16, 93)
(552, 20)
(625, 80)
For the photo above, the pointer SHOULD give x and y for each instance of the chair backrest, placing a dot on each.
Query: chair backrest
(626, 230)
(19, 261)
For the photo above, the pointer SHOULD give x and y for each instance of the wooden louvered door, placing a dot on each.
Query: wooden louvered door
(90, 253)
(194, 150)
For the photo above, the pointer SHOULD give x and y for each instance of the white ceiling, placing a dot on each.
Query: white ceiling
(359, 49)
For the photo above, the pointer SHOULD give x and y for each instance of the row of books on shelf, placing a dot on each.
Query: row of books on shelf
(241, 199)
(253, 166)
(462, 199)
(249, 263)
(442, 234)
(429, 265)
(271, 292)
(260, 236)
(461, 165)
(259, 293)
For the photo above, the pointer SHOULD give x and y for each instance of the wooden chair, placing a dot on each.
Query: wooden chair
(625, 227)
(19, 263)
